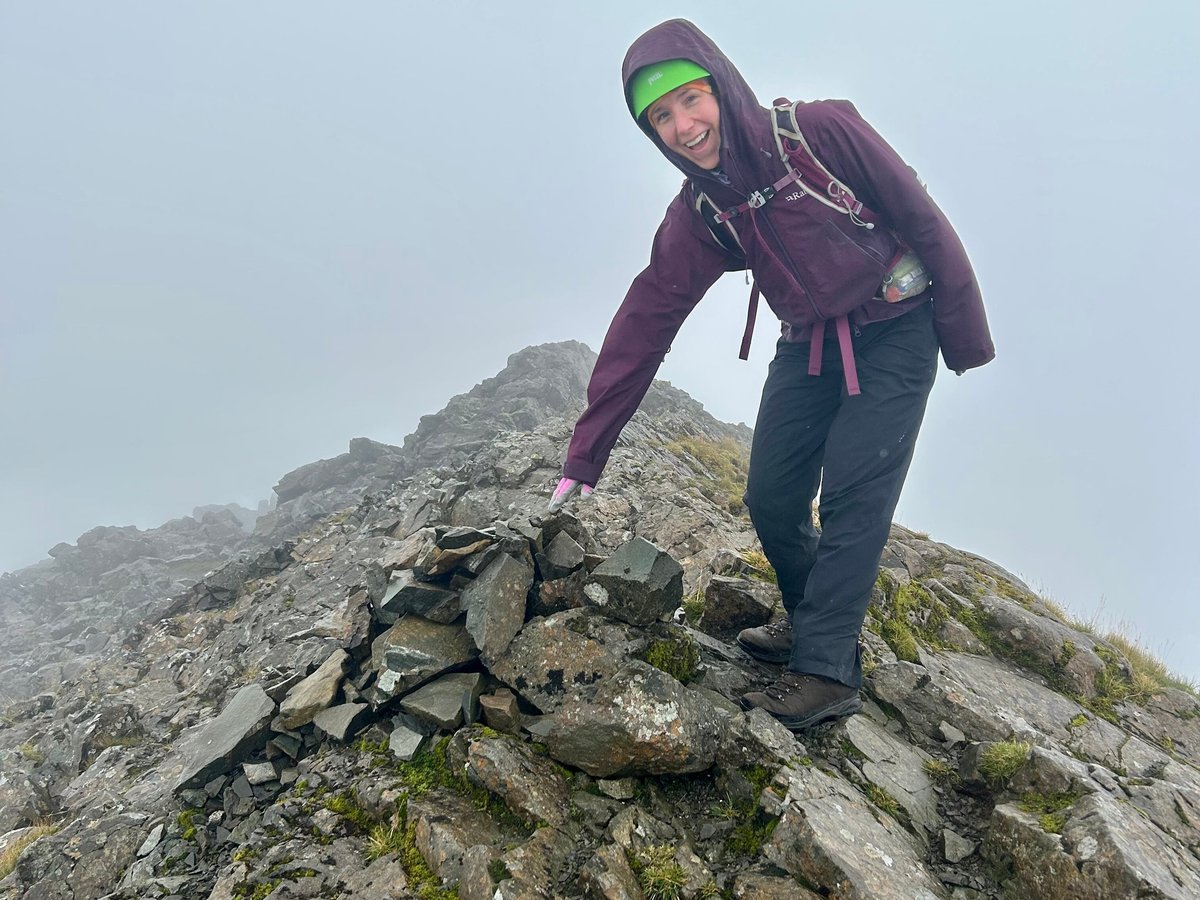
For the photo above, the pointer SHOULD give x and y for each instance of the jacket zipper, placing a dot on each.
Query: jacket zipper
(787, 258)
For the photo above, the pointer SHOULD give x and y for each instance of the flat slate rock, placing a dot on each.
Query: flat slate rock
(530, 785)
(408, 594)
(898, 768)
(1106, 849)
(342, 721)
(445, 701)
(495, 604)
(562, 557)
(607, 874)
(314, 693)
(829, 835)
(751, 886)
(404, 743)
(731, 604)
(218, 745)
(413, 651)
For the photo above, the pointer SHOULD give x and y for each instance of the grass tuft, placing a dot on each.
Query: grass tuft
(661, 877)
(498, 871)
(758, 561)
(420, 877)
(1051, 809)
(693, 607)
(384, 838)
(1149, 674)
(1000, 762)
(8, 859)
(883, 800)
(940, 771)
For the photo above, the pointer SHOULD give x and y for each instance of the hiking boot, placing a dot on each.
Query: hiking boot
(801, 701)
(770, 643)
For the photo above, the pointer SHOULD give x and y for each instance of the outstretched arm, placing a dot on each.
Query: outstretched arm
(684, 263)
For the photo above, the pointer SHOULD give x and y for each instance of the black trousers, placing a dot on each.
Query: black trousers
(811, 433)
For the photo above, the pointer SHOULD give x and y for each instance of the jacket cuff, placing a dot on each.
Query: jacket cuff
(961, 360)
(588, 473)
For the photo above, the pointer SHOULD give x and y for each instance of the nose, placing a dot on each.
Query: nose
(685, 123)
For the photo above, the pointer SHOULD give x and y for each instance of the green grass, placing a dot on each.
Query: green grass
(1051, 809)
(660, 876)
(8, 859)
(758, 561)
(1149, 674)
(901, 639)
(693, 607)
(883, 800)
(421, 879)
(753, 828)
(940, 771)
(851, 752)
(249, 891)
(187, 822)
(749, 835)
(429, 769)
(905, 613)
(720, 468)
(384, 838)
(346, 806)
(1000, 762)
(498, 871)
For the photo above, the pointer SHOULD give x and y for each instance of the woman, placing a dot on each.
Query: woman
(842, 405)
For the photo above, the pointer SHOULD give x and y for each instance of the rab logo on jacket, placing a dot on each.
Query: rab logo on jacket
(795, 195)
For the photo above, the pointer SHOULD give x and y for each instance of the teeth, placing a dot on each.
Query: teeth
(691, 144)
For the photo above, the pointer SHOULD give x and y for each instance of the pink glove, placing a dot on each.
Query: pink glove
(567, 487)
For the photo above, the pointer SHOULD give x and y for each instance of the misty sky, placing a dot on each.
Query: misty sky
(235, 235)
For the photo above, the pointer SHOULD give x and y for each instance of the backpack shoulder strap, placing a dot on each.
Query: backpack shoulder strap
(815, 178)
(721, 228)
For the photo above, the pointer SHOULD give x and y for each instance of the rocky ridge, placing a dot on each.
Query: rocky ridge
(435, 690)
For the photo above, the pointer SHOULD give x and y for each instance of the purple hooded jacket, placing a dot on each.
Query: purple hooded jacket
(811, 263)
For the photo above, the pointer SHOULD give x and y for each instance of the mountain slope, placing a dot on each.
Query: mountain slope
(197, 728)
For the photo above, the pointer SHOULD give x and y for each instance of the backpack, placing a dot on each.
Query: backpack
(907, 276)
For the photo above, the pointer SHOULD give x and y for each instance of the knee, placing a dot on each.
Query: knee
(774, 508)
(765, 497)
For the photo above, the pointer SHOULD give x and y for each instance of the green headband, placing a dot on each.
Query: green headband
(651, 82)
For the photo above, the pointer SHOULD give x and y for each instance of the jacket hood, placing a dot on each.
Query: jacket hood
(745, 125)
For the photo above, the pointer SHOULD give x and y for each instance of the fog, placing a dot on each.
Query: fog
(234, 236)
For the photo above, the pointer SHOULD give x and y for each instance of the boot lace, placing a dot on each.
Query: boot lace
(788, 683)
(779, 626)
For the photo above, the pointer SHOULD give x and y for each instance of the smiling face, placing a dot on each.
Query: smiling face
(688, 122)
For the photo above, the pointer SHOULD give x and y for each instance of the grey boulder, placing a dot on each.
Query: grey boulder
(638, 584)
